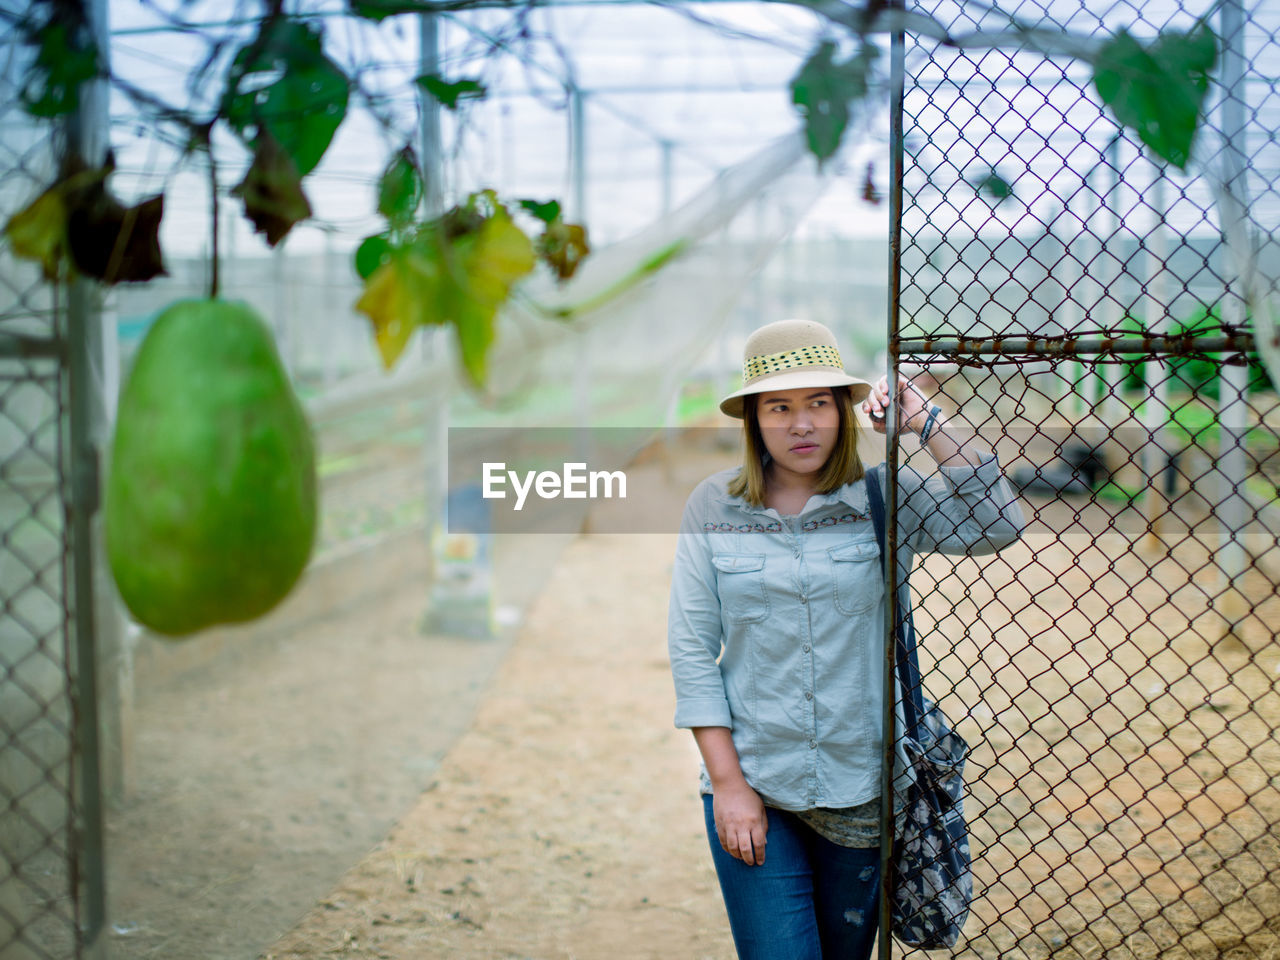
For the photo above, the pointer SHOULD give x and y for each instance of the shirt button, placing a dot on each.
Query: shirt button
(808, 695)
(813, 745)
(805, 648)
(804, 599)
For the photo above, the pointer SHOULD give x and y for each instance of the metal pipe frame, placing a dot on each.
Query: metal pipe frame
(897, 86)
(1176, 346)
(25, 347)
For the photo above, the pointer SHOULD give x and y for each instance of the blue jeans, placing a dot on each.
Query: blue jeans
(811, 899)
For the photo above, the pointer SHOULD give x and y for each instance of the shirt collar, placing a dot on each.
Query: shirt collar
(853, 495)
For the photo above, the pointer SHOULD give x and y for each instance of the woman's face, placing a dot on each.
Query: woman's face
(799, 427)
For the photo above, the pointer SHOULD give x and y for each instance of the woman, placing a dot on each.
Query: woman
(776, 635)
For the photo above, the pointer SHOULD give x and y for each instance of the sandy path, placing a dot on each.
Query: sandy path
(565, 822)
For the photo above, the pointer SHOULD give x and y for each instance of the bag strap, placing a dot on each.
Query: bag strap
(904, 631)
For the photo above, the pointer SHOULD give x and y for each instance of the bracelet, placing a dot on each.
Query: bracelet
(929, 422)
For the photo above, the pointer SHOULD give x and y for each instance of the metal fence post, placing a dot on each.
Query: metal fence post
(897, 81)
(1233, 388)
(86, 139)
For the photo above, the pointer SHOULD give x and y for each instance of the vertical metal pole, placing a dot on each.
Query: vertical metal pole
(668, 174)
(333, 267)
(86, 140)
(1086, 386)
(281, 302)
(82, 506)
(897, 84)
(1111, 379)
(429, 123)
(578, 154)
(666, 155)
(758, 281)
(435, 348)
(790, 261)
(1082, 381)
(582, 372)
(1066, 311)
(1233, 384)
(1156, 453)
(506, 165)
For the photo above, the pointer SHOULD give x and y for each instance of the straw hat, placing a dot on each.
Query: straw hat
(791, 355)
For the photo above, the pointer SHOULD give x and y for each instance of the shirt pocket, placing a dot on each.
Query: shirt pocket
(856, 576)
(740, 582)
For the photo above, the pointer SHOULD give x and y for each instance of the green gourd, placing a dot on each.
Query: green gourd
(211, 498)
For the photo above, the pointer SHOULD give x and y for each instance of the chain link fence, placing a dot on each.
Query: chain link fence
(37, 913)
(50, 856)
(1115, 673)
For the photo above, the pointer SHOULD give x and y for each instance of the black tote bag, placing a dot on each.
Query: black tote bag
(931, 885)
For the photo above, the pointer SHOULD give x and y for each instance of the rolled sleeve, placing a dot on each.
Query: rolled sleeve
(694, 630)
(703, 713)
(969, 509)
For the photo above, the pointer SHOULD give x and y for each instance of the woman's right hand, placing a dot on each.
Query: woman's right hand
(741, 822)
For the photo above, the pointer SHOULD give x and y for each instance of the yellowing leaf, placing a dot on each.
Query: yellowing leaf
(398, 297)
(501, 255)
(39, 232)
(78, 225)
(458, 269)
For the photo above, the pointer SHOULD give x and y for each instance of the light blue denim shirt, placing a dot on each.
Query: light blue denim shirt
(776, 624)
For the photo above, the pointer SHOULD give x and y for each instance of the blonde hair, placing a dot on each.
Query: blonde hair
(843, 466)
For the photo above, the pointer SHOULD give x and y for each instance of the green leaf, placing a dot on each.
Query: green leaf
(815, 92)
(289, 87)
(448, 94)
(372, 253)
(400, 189)
(546, 212)
(994, 185)
(823, 90)
(61, 66)
(379, 10)
(1158, 90)
(401, 295)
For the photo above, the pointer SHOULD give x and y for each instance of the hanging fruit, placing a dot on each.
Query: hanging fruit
(211, 498)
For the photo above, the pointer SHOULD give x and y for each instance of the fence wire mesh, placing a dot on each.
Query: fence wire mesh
(1115, 672)
(39, 856)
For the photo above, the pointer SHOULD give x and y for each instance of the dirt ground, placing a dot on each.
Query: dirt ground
(256, 778)
(565, 822)
(261, 779)
(1123, 799)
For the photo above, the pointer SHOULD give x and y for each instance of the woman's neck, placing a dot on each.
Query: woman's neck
(787, 492)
